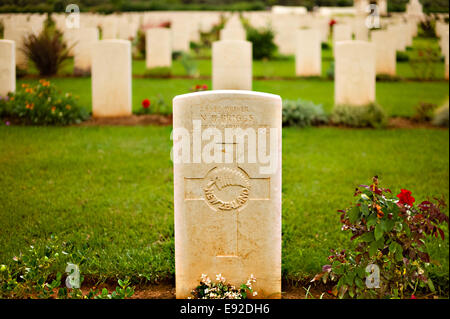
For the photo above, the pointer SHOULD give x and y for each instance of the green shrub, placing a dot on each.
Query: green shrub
(302, 113)
(402, 56)
(189, 64)
(427, 28)
(139, 42)
(263, 45)
(34, 273)
(390, 258)
(441, 116)
(47, 50)
(371, 115)
(423, 112)
(42, 104)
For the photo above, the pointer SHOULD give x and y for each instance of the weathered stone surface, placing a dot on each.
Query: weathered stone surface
(354, 73)
(232, 65)
(308, 58)
(7, 67)
(385, 52)
(83, 50)
(158, 47)
(111, 78)
(228, 212)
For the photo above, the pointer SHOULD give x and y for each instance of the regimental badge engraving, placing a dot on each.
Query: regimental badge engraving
(227, 188)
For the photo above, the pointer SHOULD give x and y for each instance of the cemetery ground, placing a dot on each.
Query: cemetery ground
(106, 192)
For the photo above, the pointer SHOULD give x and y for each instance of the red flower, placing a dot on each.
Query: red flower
(198, 87)
(405, 197)
(413, 297)
(146, 103)
(204, 87)
(332, 22)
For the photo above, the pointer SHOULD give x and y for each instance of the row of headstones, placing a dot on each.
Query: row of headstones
(186, 27)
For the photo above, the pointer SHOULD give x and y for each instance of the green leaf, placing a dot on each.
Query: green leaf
(368, 237)
(365, 210)
(372, 220)
(378, 231)
(359, 283)
(373, 249)
(353, 214)
(398, 254)
(393, 247)
(430, 285)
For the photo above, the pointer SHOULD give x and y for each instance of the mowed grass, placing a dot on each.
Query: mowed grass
(109, 192)
(397, 98)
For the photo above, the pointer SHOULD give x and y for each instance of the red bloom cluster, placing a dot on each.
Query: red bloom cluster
(200, 87)
(405, 197)
(332, 22)
(146, 103)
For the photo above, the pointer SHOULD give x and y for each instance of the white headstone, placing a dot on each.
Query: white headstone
(341, 32)
(83, 50)
(385, 52)
(228, 209)
(354, 73)
(16, 33)
(308, 58)
(7, 67)
(111, 78)
(232, 65)
(158, 47)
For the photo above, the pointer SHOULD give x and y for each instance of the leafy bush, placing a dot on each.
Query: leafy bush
(391, 253)
(155, 105)
(302, 113)
(402, 56)
(427, 28)
(423, 66)
(371, 115)
(189, 64)
(441, 116)
(263, 45)
(221, 290)
(32, 274)
(423, 112)
(42, 104)
(47, 50)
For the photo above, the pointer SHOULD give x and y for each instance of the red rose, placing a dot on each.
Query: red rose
(413, 297)
(198, 87)
(145, 103)
(405, 197)
(204, 87)
(332, 22)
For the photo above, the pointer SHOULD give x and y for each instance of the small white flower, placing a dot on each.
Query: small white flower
(255, 293)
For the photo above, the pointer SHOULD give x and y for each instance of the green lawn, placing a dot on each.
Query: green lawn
(109, 191)
(397, 98)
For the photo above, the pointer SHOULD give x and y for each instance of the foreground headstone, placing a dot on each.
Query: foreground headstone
(158, 47)
(111, 78)
(232, 65)
(354, 73)
(308, 58)
(227, 210)
(83, 50)
(7, 67)
(385, 52)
